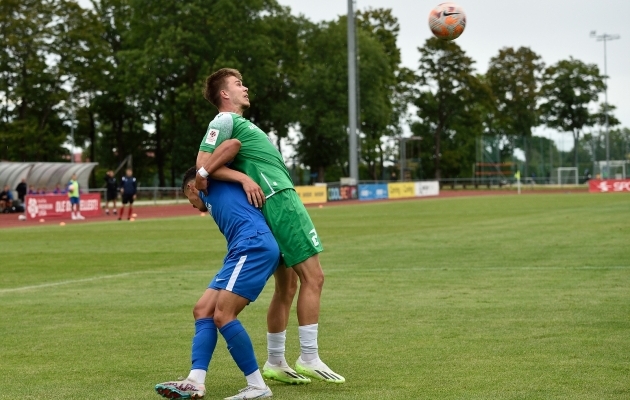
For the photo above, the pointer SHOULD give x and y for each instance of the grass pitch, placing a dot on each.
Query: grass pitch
(509, 297)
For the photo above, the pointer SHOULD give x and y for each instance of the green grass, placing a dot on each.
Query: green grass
(508, 297)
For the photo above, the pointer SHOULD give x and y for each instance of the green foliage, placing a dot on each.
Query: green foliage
(128, 75)
(451, 105)
(570, 86)
(323, 89)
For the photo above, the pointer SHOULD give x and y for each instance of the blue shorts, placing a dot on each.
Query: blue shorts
(74, 200)
(248, 266)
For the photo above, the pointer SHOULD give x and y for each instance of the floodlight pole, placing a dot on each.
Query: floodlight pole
(72, 128)
(352, 94)
(605, 38)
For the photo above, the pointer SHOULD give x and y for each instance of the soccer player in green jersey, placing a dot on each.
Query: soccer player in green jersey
(232, 138)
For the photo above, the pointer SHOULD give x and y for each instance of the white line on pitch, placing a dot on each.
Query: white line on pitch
(68, 282)
(102, 277)
(471, 269)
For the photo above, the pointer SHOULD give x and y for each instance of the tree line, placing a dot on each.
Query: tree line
(128, 74)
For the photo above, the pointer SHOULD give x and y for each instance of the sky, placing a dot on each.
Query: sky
(555, 29)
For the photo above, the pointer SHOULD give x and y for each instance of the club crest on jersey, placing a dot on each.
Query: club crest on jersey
(212, 136)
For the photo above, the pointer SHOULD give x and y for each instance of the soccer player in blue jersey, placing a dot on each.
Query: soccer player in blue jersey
(253, 256)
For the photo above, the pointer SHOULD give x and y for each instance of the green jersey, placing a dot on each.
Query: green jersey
(73, 189)
(258, 157)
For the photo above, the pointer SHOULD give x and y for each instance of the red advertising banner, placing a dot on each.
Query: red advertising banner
(609, 185)
(40, 206)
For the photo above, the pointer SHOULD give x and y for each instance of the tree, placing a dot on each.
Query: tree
(322, 93)
(449, 102)
(30, 87)
(569, 87)
(514, 77)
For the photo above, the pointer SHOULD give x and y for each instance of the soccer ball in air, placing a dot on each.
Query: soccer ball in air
(447, 21)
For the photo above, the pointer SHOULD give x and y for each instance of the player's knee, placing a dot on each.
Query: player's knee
(316, 281)
(311, 276)
(201, 310)
(222, 318)
(287, 288)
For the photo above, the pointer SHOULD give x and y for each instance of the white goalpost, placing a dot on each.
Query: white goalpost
(565, 176)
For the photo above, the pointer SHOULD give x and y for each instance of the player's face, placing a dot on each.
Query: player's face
(238, 92)
(193, 197)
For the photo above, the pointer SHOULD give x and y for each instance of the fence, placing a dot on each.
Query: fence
(371, 189)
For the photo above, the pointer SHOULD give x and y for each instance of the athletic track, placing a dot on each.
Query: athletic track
(178, 210)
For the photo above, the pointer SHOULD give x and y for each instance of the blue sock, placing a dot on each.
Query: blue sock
(204, 342)
(240, 346)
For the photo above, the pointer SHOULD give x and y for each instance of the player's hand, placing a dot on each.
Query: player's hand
(134, 196)
(201, 184)
(254, 193)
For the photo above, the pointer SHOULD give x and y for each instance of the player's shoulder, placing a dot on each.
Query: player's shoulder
(223, 122)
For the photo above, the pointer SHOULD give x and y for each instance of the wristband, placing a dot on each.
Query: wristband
(202, 171)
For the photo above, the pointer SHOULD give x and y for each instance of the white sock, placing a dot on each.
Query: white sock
(256, 379)
(72, 214)
(275, 348)
(308, 342)
(197, 375)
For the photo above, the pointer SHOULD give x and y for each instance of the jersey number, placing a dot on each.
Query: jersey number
(314, 237)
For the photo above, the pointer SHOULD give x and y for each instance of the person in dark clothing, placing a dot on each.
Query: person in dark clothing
(6, 199)
(128, 187)
(21, 190)
(112, 191)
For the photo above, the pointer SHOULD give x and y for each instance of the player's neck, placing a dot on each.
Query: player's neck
(231, 108)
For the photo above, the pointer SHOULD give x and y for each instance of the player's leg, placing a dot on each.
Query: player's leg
(72, 208)
(238, 342)
(122, 207)
(78, 202)
(255, 261)
(203, 345)
(311, 284)
(300, 247)
(276, 366)
(130, 207)
(114, 200)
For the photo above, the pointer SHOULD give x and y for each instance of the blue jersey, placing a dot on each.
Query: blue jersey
(235, 217)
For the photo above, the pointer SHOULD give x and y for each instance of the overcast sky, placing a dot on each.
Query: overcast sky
(555, 29)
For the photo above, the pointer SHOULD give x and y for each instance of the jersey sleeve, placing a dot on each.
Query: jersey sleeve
(219, 130)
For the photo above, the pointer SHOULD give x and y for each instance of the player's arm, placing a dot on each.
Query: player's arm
(254, 193)
(209, 162)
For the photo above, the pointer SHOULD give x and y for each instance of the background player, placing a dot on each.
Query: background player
(253, 256)
(74, 197)
(128, 189)
(111, 191)
(230, 136)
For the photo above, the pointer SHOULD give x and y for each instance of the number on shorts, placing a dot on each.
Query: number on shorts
(314, 237)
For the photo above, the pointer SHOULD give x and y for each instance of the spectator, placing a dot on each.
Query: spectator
(73, 195)
(42, 190)
(32, 190)
(112, 191)
(128, 188)
(59, 190)
(6, 199)
(21, 189)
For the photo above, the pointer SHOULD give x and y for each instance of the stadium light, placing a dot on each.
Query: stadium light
(352, 94)
(72, 128)
(403, 153)
(605, 38)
